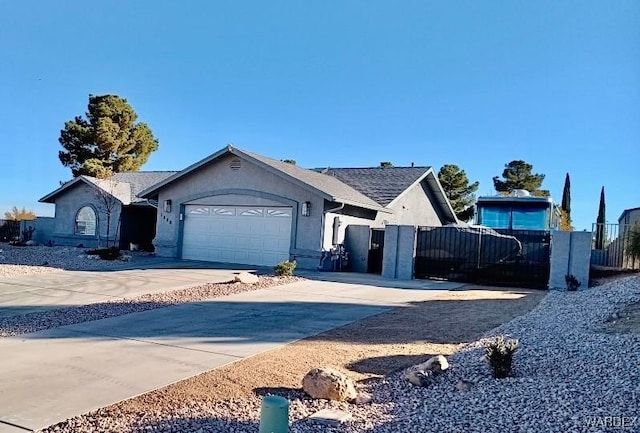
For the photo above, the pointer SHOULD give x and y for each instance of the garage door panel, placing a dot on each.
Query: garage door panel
(237, 234)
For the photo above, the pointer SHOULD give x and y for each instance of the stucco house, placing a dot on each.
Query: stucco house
(239, 207)
(92, 212)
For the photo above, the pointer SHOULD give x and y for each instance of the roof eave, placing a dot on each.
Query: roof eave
(50, 198)
(154, 190)
(282, 174)
(361, 205)
(439, 191)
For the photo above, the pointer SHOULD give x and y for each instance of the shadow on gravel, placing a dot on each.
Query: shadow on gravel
(383, 365)
(280, 391)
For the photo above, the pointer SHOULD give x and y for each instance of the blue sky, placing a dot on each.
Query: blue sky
(336, 83)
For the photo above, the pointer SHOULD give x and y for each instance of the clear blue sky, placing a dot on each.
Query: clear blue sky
(336, 83)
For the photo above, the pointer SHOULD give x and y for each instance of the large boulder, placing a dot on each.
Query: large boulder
(246, 278)
(329, 384)
(421, 374)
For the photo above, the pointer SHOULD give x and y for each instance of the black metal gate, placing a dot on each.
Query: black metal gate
(484, 256)
(376, 248)
(9, 230)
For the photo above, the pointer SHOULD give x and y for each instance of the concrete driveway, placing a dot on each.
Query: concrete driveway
(53, 290)
(52, 375)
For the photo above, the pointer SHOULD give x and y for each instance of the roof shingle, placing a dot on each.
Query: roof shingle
(382, 185)
(327, 184)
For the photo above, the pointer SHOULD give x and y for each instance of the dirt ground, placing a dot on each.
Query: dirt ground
(369, 348)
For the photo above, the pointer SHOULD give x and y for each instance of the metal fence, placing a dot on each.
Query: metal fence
(610, 246)
(484, 256)
(9, 230)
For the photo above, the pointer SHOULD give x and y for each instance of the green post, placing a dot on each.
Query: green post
(274, 416)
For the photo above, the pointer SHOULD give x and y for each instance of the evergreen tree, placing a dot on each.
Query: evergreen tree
(601, 229)
(108, 141)
(517, 175)
(565, 207)
(460, 193)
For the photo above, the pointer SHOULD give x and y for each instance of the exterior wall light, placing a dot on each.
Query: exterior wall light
(306, 208)
(167, 206)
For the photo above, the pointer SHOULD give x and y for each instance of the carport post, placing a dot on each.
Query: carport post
(274, 416)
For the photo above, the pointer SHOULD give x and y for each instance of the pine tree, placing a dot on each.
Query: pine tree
(601, 229)
(517, 175)
(108, 141)
(460, 193)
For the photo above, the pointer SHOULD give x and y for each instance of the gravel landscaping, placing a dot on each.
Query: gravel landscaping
(572, 374)
(18, 261)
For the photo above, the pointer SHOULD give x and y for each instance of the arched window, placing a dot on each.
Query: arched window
(86, 221)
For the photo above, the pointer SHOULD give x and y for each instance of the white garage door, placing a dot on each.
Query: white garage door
(252, 235)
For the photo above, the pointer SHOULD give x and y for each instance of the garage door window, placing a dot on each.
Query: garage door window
(224, 211)
(258, 212)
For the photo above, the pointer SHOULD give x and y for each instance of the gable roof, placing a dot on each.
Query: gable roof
(328, 187)
(380, 184)
(124, 186)
(386, 185)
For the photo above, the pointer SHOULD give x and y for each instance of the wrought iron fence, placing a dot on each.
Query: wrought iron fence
(9, 230)
(611, 246)
(484, 256)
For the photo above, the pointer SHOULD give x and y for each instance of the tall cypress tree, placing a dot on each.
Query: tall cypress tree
(565, 221)
(601, 230)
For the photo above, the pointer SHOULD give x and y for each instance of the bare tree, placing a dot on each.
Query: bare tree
(16, 214)
(107, 204)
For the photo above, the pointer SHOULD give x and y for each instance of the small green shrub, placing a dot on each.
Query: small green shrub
(285, 269)
(112, 253)
(499, 353)
(572, 283)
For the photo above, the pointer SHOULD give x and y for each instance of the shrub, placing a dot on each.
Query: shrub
(111, 253)
(27, 234)
(499, 353)
(285, 269)
(572, 283)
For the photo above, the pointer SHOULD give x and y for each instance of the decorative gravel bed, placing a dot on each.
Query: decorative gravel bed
(18, 261)
(39, 321)
(569, 376)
